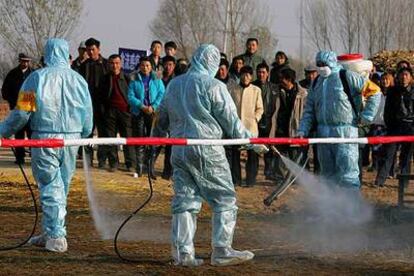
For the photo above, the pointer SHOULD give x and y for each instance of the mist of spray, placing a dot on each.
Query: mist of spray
(336, 218)
(107, 221)
(101, 222)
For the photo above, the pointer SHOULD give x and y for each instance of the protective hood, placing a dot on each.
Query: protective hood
(206, 60)
(329, 58)
(57, 53)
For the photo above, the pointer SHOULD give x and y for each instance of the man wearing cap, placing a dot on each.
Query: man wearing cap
(311, 72)
(10, 91)
(82, 57)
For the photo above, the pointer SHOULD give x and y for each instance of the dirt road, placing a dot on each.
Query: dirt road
(285, 237)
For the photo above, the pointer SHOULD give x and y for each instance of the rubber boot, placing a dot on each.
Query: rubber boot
(184, 226)
(59, 245)
(223, 224)
(226, 256)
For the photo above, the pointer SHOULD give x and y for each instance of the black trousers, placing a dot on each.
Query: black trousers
(21, 134)
(141, 127)
(363, 159)
(118, 121)
(167, 170)
(268, 156)
(252, 166)
(316, 166)
(99, 125)
(390, 150)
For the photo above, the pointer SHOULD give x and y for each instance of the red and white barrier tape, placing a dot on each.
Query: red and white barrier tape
(58, 143)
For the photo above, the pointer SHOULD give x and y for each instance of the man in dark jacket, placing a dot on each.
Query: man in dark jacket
(281, 62)
(170, 49)
(82, 57)
(291, 102)
(311, 73)
(10, 91)
(93, 69)
(399, 120)
(269, 94)
(114, 93)
(234, 71)
(223, 71)
(155, 57)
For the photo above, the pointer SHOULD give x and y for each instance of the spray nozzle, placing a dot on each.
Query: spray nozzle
(274, 149)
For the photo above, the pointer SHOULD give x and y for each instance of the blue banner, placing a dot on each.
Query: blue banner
(130, 58)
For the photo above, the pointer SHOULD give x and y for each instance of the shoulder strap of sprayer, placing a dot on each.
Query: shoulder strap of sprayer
(347, 90)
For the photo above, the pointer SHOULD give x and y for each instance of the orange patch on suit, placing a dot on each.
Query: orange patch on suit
(26, 101)
(370, 89)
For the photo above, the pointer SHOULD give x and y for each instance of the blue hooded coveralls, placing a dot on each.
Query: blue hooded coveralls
(57, 102)
(198, 106)
(329, 108)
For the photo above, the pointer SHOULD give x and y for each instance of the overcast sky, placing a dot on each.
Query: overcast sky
(124, 23)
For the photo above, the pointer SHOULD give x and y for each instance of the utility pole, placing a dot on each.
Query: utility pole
(301, 31)
(226, 21)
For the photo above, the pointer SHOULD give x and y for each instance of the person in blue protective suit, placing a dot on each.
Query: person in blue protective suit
(56, 100)
(198, 106)
(335, 114)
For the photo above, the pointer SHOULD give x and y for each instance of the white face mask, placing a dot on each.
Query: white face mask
(324, 71)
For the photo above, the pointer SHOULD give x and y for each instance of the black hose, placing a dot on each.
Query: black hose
(117, 251)
(8, 248)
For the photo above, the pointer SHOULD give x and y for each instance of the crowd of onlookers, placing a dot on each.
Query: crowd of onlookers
(269, 100)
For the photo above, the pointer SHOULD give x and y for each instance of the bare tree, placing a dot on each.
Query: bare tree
(318, 24)
(364, 26)
(245, 18)
(386, 22)
(405, 23)
(6, 65)
(26, 24)
(191, 22)
(187, 22)
(372, 25)
(348, 23)
(237, 27)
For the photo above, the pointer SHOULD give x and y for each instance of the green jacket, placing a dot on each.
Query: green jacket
(252, 60)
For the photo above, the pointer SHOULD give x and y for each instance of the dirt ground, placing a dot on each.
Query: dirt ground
(283, 237)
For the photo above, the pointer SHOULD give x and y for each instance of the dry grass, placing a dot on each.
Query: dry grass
(260, 228)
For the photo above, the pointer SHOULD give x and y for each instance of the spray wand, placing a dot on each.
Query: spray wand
(288, 182)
